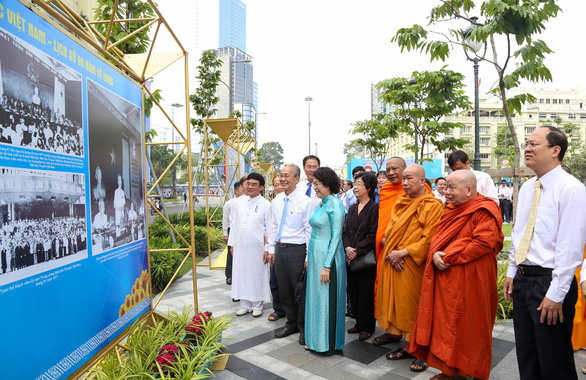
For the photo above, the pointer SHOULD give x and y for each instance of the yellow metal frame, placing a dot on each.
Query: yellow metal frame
(236, 142)
(139, 68)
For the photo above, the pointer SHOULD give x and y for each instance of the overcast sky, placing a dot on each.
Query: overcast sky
(333, 50)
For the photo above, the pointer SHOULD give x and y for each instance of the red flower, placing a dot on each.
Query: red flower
(165, 359)
(169, 348)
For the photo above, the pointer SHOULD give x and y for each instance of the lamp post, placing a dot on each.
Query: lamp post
(475, 47)
(308, 100)
(174, 105)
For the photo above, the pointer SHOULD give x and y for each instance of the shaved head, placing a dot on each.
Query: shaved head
(414, 180)
(395, 168)
(461, 187)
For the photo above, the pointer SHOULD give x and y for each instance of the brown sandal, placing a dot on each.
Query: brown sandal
(274, 316)
(386, 338)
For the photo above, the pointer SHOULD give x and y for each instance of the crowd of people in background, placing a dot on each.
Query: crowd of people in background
(29, 242)
(385, 248)
(29, 124)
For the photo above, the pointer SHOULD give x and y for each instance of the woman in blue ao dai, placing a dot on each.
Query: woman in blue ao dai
(325, 301)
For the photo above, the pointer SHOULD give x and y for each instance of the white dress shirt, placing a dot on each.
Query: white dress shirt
(485, 185)
(505, 192)
(227, 215)
(560, 229)
(439, 196)
(297, 229)
(314, 198)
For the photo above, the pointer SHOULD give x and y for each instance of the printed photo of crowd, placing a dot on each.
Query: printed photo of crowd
(41, 100)
(115, 151)
(42, 221)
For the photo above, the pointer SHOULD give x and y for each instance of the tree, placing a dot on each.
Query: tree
(161, 157)
(126, 10)
(577, 164)
(518, 20)
(499, 150)
(422, 102)
(271, 152)
(352, 151)
(377, 134)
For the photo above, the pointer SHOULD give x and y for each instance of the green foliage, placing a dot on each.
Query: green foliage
(205, 98)
(423, 102)
(504, 308)
(271, 152)
(377, 134)
(520, 20)
(499, 150)
(145, 341)
(163, 266)
(127, 9)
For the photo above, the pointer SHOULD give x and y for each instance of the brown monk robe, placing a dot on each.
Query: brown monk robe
(457, 309)
(579, 330)
(413, 222)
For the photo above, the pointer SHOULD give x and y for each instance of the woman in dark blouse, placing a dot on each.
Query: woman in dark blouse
(358, 238)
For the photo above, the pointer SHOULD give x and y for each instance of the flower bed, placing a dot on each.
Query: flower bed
(180, 346)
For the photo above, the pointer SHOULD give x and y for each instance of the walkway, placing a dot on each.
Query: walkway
(257, 355)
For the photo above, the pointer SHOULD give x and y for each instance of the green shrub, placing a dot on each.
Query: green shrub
(163, 266)
(504, 308)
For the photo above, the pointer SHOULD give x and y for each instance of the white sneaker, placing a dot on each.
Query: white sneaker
(242, 312)
(256, 313)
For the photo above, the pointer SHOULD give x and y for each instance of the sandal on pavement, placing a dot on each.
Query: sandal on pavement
(386, 338)
(419, 363)
(399, 354)
(274, 316)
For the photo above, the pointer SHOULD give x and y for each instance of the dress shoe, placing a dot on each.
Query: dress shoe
(235, 300)
(242, 311)
(256, 313)
(363, 336)
(302, 339)
(285, 332)
(228, 281)
(353, 330)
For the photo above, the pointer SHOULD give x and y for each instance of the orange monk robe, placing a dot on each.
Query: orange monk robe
(413, 222)
(457, 309)
(389, 194)
(579, 331)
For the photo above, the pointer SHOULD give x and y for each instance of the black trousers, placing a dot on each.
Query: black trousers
(361, 292)
(544, 351)
(506, 209)
(289, 264)
(228, 270)
(273, 282)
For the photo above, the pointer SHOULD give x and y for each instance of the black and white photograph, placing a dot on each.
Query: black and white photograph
(117, 200)
(41, 100)
(42, 221)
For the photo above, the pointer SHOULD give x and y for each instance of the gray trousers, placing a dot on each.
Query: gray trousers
(289, 264)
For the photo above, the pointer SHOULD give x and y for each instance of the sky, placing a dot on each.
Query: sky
(332, 51)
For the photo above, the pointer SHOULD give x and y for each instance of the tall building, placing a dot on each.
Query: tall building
(377, 105)
(232, 24)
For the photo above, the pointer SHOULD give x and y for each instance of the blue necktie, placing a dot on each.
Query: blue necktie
(308, 192)
(283, 219)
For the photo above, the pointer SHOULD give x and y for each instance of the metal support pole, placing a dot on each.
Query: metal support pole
(308, 100)
(476, 119)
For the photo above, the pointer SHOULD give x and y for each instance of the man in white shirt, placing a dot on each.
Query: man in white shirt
(440, 186)
(247, 238)
(504, 193)
(227, 218)
(540, 278)
(289, 234)
(310, 164)
(458, 160)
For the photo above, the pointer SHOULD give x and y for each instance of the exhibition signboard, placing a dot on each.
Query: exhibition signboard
(73, 250)
(433, 168)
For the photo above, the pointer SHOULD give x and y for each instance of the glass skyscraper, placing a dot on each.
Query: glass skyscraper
(233, 24)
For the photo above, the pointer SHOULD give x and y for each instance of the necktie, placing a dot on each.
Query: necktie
(308, 192)
(521, 254)
(283, 219)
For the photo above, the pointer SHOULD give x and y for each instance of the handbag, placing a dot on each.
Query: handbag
(365, 261)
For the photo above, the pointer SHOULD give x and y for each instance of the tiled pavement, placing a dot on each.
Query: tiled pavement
(256, 354)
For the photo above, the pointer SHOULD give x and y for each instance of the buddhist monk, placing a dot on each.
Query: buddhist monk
(457, 309)
(388, 196)
(414, 219)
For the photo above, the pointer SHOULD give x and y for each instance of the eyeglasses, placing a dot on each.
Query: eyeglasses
(532, 144)
(317, 183)
(285, 175)
(358, 184)
(309, 167)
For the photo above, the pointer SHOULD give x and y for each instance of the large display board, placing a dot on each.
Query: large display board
(433, 169)
(73, 254)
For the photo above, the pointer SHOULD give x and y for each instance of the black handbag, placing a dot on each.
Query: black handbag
(365, 261)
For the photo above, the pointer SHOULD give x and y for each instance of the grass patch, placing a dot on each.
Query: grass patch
(188, 265)
(507, 228)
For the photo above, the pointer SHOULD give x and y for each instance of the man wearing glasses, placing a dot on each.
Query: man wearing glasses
(547, 246)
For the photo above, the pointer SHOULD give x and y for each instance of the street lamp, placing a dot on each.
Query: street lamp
(174, 105)
(308, 100)
(474, 46)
